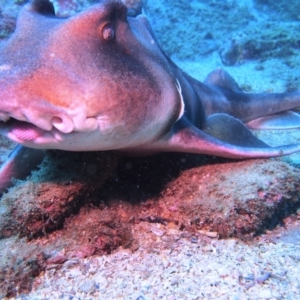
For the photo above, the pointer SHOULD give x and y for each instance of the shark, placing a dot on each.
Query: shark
(99, 80)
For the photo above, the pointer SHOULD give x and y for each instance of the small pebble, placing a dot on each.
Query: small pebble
(173, 208)
(57, 259)
(194, 239)
(261, 279)
(211, 234)
(70, 263)
(93, 269)
(87, 286)
(173, 232)
(265, 294)
(248, 276)
(73, 273)
(223, 272)
(157, 231)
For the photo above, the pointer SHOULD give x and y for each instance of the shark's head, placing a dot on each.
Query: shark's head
(94, 81)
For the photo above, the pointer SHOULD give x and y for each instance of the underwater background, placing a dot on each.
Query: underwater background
(172, 226)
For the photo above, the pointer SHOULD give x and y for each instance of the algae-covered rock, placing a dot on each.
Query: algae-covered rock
(237, 198)
(269, 39)
(233, 199)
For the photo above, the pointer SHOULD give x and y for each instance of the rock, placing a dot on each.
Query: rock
(53, 192)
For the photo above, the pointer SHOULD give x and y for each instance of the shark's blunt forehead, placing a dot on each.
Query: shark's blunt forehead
(57, 50)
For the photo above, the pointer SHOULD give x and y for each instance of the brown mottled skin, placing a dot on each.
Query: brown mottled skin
(100, 81)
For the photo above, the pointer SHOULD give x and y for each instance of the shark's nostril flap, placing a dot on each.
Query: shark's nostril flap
(63, 124)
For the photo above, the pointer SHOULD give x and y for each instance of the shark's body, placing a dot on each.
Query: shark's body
(100, 81)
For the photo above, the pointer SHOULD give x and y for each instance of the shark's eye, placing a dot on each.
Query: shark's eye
(108, 32)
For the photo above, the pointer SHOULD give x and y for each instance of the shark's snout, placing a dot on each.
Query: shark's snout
(29, 118)
(49, 117)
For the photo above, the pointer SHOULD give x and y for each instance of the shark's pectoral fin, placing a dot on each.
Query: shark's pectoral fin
(185, 137)
(285, 120)
(231, 130)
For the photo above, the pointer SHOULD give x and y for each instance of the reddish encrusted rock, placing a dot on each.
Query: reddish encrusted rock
(65, 181)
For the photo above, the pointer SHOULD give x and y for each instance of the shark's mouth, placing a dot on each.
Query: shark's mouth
(21, 130)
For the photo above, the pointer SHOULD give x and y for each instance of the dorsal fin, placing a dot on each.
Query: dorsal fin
(44, 7)
(222, 79)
